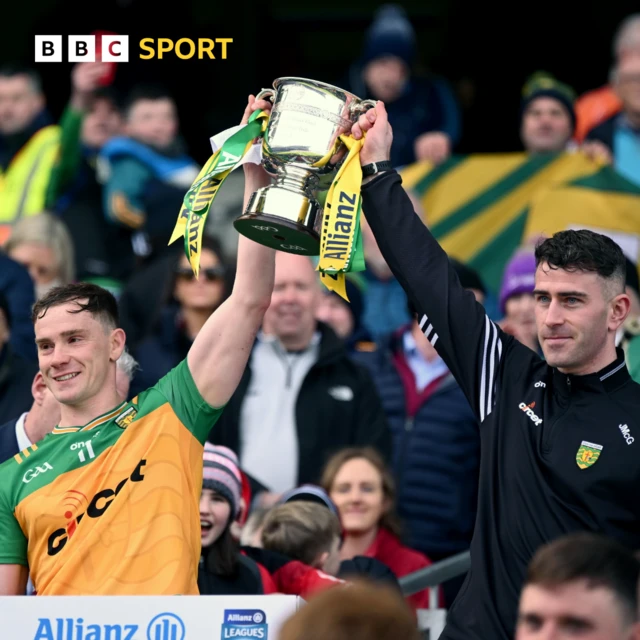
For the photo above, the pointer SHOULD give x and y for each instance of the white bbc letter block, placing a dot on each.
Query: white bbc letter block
(82, 49)
(115, 48)
(48, 49)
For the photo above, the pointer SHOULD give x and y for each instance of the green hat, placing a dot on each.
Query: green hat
(542, 84)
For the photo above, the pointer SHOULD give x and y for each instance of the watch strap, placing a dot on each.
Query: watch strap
(376, 167)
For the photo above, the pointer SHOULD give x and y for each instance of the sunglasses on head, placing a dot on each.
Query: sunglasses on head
(210, 273)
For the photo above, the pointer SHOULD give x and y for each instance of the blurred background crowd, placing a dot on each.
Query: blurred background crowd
(349, 399)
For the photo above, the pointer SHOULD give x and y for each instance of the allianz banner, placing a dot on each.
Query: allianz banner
(145, 617)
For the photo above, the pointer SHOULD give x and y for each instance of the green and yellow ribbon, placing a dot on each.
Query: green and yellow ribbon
(341, 249)
(197, 201)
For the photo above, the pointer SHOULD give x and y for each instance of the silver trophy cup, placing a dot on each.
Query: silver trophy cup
(306, 121)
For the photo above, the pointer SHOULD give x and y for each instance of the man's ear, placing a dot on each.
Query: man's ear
(118, 340)
(620, 307)
(38, 388)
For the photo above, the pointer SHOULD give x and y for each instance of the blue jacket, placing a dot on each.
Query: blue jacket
(18, 289)
(427, 104)
(8, 440)
(436, 456)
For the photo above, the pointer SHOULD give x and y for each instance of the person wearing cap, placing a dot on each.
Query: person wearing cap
(223, 569)
(226, 568)
(424, 110)
(516, 302)
(548, 118)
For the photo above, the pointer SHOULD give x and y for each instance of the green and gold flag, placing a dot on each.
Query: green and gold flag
(477, 205)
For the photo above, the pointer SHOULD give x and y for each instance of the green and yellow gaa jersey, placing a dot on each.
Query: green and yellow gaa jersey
(112, 507)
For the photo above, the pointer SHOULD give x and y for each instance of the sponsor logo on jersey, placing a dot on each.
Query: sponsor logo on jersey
(126, 417)
(244, 623)
(588, 454)
(34, 472)
(624, 430)
(96, 507)
(528, 410)
(540, 384)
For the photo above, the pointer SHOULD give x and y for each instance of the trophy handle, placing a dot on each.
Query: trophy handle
(358, 108)
(266, 93)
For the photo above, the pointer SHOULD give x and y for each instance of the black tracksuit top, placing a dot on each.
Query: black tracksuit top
(560, 453)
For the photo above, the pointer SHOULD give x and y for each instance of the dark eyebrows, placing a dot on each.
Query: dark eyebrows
(530, 617)
(575, 620)
(562, 294)
(64, 334)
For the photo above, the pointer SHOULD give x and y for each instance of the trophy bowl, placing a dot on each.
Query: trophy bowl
(302, 150)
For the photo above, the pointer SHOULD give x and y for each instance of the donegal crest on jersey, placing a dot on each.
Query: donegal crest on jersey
(588, 454)
(112, 507)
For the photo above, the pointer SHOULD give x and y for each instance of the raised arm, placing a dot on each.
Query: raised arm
(220, 352)
(467, 340)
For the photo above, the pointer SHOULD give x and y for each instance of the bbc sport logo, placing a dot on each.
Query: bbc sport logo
(164, 626)
(115, 48)
(245, 623)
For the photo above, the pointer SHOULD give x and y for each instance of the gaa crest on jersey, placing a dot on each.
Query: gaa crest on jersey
(588, 454)
(126, 417)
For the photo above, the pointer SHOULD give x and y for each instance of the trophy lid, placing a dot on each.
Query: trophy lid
(278, 82)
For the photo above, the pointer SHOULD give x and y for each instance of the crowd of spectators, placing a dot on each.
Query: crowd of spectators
(348, 448)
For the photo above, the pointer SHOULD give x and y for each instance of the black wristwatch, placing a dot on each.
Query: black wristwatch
(376, 167)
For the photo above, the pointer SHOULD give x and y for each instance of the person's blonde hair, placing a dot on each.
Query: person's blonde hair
(389, 519)
(300, 530)
(50, 231)
(360, 611)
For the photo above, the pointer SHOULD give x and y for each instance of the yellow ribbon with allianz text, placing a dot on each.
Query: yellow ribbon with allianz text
(341, 247)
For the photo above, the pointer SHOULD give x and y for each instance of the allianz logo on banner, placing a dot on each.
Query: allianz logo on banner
(165, 626)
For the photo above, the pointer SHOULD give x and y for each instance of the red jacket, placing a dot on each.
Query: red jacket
(291, 577)
(388, 549)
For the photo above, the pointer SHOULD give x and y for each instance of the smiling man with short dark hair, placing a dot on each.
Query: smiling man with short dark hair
(559, 434)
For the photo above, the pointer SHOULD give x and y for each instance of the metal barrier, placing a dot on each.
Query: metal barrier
(431, 621)
(436, 574)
